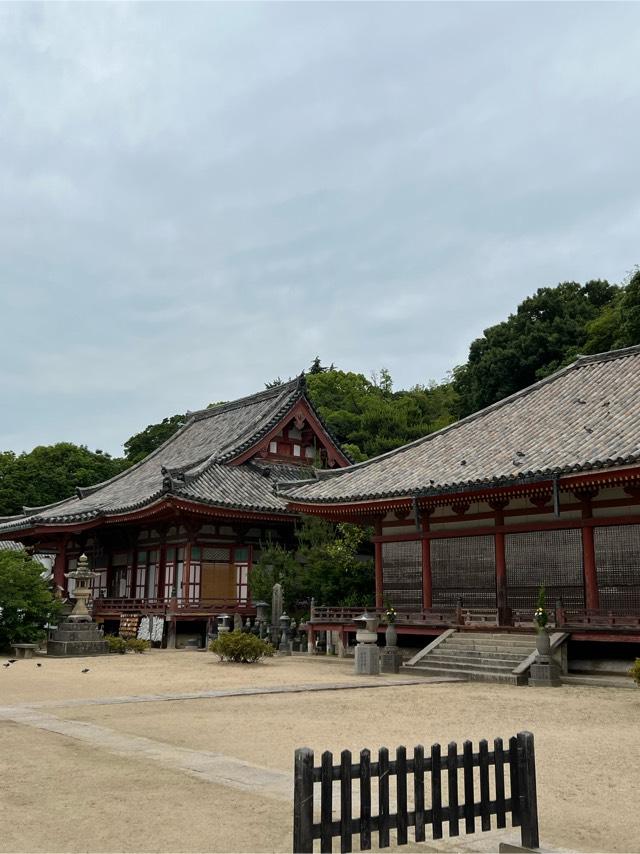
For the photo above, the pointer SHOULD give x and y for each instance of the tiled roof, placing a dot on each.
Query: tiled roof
(585, 416)
(190, 464)
(10, 546)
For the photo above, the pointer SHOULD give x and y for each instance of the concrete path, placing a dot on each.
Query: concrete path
(230, 692)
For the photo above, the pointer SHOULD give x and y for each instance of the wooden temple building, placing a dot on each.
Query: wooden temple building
(175, 535)
(542, 488)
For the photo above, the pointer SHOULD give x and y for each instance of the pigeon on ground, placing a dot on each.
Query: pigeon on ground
(12, 660)
(38, 664)
(8, 664)
(86, 670)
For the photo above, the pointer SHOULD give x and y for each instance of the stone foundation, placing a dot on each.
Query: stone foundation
(77, 638)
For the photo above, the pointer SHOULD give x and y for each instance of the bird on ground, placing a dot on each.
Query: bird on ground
(12, 660)
(86, 670)
(8, 664)
(38, 664)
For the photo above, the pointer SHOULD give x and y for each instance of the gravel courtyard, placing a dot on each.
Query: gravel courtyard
(118, 759)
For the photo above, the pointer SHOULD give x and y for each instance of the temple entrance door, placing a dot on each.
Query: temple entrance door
(218, 581)
(119, 583)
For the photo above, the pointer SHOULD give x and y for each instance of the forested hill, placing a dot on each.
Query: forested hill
(547, 330)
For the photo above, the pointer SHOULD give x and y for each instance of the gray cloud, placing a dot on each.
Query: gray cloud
(195, 198)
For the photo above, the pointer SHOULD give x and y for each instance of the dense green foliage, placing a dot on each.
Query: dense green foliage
(26, 602)
(368, 417)
(140, 445)
(326, 565)
(634, 672)
(240, 647)
(547, 330)
(49, 473)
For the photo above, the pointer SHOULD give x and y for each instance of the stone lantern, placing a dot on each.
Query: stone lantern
(78, 634)
(223, 623)
(82, 577)
(285, 646)
(367, 656)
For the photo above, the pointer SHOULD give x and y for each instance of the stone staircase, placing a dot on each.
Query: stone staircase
(477, 656)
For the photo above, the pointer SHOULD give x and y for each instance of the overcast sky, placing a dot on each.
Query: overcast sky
(195, 199)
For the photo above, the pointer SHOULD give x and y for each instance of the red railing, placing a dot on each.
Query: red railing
(598, 617)
(184, 606)
(424, 616)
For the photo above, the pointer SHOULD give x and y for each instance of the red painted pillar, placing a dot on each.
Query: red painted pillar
(502, 597)
(60, 565)
(378, 565)
(591, 596)
(427, 582)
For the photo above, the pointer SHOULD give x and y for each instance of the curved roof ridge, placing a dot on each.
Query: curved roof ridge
(580, 361)
(275, 391)
(259, 396)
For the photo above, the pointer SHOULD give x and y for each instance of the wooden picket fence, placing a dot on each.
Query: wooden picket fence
(429, 810)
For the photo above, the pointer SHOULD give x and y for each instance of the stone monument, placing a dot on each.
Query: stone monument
(545, 673)
(78, 634)
(284, 647)
(276, 613)
(367, 654)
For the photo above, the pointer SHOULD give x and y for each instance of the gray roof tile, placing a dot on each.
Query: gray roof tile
(191, 464)
(586, 415)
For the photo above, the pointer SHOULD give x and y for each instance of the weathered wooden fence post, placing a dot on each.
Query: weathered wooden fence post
(528, 795)
(303, 801)
(521, 804)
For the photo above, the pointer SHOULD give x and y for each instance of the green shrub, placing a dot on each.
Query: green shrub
(238, 646)
(137, 645)
(634, 672)
(26, 603)
(116, 644)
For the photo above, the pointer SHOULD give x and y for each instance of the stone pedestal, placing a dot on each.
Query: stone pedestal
(544, 675)
(390, 660)
(367, 660)
(77, 638)
(78, 634)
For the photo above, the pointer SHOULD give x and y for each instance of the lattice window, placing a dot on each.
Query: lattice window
(617, 551)
(216, 554)
(549, 558)
(463, 567)
(402, 573)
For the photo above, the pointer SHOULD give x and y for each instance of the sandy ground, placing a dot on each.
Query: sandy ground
(153, 790)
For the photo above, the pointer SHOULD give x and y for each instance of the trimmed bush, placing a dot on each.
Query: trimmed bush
(116, 644)
(137, 645)
(241, 647)
(634, 672)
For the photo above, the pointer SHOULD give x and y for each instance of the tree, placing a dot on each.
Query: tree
(547, 331)
(328, 565)
(141, 444)
(26, 602)
(50, 473)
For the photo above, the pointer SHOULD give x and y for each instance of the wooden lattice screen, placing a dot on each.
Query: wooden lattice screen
(617, 551)
(464, 567)
(402, 573)
(552, 559)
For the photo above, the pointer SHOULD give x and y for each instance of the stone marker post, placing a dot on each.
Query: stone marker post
(276, 611)
(367, 656)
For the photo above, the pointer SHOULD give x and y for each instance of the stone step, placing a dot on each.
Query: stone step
(489, 645)
(470, 674)
(79, 648)
(499, 652)
(497, 659)
(489, 638)
(468, 663)
(78, 634)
